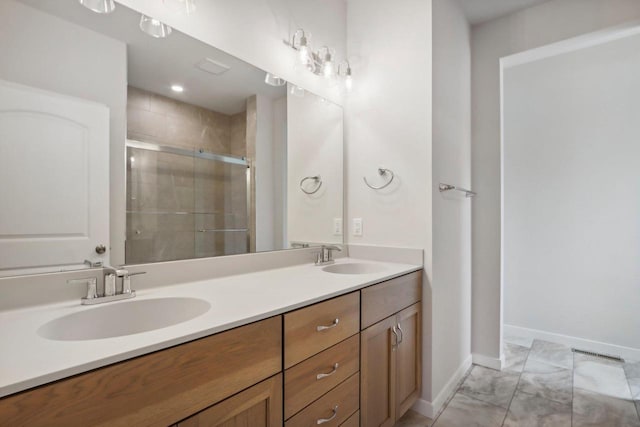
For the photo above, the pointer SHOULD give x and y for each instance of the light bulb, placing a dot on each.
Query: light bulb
(303, 54)
(177, 88)
(327, 69)
(273, 80)
(348, 83)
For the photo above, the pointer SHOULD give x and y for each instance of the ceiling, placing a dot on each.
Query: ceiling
(156, 64)
(478, 11)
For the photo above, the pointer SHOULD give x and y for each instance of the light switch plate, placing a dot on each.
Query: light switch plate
(357, 226)
(337, 226)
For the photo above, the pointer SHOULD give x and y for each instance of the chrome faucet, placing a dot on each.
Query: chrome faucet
(110, 292)
(325, 256)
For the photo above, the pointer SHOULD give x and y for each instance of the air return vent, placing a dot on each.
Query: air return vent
(601, 355)
(212, 67)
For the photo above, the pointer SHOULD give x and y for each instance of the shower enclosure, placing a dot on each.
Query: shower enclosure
(185, 204)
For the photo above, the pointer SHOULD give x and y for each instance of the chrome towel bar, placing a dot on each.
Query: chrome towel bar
(449, 187)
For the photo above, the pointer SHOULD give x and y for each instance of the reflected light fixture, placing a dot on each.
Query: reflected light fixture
(177, 88)
(273, 80)
(154, 27)
(99, 6)
(185, 6)
(296, 91)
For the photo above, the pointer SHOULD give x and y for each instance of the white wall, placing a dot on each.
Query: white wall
(315, 135)
(255, 31)
(68, 59)
(549, 22)
(389, 125)
(571, 192)
(451, 282)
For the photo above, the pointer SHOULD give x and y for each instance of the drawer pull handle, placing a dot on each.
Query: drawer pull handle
(332, 325)
(321, 376)
(395, 344)
(326, 420)
(401, 334)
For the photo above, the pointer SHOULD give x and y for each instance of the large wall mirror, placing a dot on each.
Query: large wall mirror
(123, 148)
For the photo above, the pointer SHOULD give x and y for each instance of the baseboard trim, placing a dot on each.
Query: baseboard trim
(488, 362)
(569, 341)
(431, 409)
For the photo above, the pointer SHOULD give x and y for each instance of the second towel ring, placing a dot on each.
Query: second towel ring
(318, 181)
(381, 172)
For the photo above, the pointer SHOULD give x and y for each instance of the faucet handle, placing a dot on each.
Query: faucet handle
(126, 281)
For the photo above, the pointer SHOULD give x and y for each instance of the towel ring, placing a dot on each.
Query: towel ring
(317, 180)
(381, 172)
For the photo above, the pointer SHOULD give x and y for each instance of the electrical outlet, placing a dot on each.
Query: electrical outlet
(357, 226)
(337, 226)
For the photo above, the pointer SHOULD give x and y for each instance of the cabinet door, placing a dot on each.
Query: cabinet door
(378, 369)
(408, 358)
(258, 406)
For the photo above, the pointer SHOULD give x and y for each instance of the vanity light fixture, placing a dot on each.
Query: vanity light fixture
(186, 6)
(177, 88)
(344, 70)
(154, 27)
(273, 80)
(300, 42)
(320, 62)
(326, 62)
(99, 6)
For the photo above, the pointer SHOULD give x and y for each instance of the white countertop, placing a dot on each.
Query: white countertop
(28, 360)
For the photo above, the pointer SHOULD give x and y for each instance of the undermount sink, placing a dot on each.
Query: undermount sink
(354, 268)
(123, 318)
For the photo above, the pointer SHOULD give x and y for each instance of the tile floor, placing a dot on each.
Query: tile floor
(542, 385)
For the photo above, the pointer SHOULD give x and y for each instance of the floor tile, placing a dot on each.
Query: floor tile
(632, 370)
(490, 386)
(596, 410)
(552, 353)
(547, 381)
(518, 340)
(601, 376)
(534, 411)
(464, 411)
(413, 419)
(514, 357)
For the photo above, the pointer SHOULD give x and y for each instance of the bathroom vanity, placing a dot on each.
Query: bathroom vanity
(352, 357)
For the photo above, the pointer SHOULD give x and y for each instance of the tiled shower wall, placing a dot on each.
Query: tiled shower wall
(170, 197)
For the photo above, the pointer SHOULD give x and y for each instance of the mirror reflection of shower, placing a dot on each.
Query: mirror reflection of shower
(188, 181)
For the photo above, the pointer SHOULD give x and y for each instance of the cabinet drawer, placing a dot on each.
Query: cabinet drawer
(160, 388)
(387, 298)
(302, 385)
(353, 421)
(345, 397)
(312, 329)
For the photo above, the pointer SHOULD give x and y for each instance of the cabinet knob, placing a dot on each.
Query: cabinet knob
(328, 374)
(100, 249)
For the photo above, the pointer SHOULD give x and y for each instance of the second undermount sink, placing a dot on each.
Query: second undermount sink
(354, 268)
(123, 318)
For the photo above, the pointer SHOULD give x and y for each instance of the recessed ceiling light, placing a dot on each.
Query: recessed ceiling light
(177, 88)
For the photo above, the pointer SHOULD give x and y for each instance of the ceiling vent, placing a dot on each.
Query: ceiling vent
(212, 67)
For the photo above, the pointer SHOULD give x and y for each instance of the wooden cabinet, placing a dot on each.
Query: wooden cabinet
(321, 353)
(160, 388)
(258, 406)
(391, 351)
